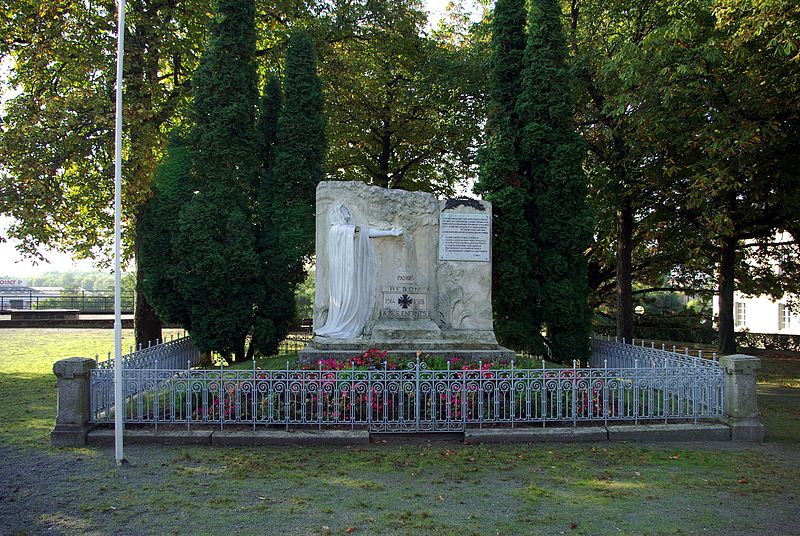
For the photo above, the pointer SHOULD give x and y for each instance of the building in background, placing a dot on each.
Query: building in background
(764, 314)
(17, 294)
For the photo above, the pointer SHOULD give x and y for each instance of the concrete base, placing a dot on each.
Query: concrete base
(670, 432)
(416, 437)
(536, 435)
(747, 430)
(230, 438)
(247, 437)
(151, 437)
(63, 436)
(258, 438)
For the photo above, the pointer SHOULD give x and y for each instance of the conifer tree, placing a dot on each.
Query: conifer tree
(552, 154)
(300, 150)
(269, 327)
(157, 226)
(288, 188)
(269, 112)
(504, 183)
(220, 269)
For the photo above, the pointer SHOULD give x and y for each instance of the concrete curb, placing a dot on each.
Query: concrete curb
(670, 432)
(258, 438)
(664, 433)
(231, 438)
(151, 437)
(536, 435)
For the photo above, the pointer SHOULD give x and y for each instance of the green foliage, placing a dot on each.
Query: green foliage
(56, 146)
(402, 106)
(553, 154)
(531, 171)
(215, 245)
(287, 191)
(75, 280)
(304, 297)
(269, 111)
(220, 273)
(158, 225)
(299, 154)
(711, 112)
(504, 183)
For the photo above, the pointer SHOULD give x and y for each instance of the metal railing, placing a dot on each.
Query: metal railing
(85, 303)
(621, 354)
(174, 353)
(415, 398)
(294, 342)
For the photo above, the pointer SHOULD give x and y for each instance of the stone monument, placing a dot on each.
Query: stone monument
(401, 271)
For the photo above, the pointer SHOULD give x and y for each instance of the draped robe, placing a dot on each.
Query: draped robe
(352, 273)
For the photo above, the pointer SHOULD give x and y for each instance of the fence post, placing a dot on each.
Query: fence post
(73, 377)
(740, 397)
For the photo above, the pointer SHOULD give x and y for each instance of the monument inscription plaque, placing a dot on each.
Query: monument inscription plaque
(401, 301)
(464, 237)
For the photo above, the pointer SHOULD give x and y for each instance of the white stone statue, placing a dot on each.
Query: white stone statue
(352, 274)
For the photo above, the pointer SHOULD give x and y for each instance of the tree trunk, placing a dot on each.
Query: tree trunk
(251, 349)
(239, 353)
(727, 274)
(624, 271)
(146, 324)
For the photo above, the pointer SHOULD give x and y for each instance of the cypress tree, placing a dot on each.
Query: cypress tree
(160, 218)
(288, 188)
(300, 150)
(270, 326)
(269, 112)
(504, 183)
(220, 269)
(552, 153)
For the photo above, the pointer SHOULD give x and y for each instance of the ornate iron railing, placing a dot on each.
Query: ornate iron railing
(415, 398)
(608, 352)
(172, 354)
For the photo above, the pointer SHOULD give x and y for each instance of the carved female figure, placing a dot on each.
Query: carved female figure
(352, 274)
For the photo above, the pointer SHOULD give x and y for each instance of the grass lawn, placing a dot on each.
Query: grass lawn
(416, 488)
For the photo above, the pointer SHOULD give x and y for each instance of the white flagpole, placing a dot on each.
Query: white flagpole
(119, 402)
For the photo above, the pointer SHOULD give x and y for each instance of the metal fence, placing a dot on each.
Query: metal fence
(613, 353)
(171, 354)
(417, 398)
(85, 303)
(294, 342)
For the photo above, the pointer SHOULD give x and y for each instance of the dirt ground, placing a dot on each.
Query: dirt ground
(714, 488)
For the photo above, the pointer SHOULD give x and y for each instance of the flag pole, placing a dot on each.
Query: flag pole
(119, 402)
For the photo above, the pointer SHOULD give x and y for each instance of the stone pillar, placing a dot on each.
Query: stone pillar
(740, 397)
(72, 414)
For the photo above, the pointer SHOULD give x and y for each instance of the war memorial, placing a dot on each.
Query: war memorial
(404, 272)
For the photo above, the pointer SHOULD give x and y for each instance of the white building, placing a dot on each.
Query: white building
(763, 314)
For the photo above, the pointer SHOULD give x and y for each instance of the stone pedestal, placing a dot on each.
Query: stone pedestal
(740, 397)
(73, 377)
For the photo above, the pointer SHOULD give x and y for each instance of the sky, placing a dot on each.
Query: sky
(12, 264)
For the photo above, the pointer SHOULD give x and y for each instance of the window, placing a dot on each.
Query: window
(740, 313)
(784, 316)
